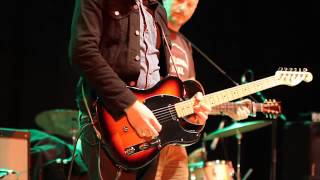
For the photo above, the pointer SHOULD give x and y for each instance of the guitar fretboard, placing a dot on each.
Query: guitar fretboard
(185, 108)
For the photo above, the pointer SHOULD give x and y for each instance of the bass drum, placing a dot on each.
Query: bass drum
(212, 170)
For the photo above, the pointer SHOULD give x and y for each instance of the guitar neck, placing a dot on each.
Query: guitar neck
(185, 108)
(232, 106)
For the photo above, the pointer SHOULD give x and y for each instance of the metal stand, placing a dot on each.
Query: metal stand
(239, 137)
(273, 169)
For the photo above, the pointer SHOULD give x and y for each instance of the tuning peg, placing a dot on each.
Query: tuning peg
(305, 69)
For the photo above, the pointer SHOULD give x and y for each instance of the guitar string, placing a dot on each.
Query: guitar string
(165, 114)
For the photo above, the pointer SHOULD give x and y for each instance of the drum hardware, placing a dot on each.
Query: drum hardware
(211, 170)
(236, 129)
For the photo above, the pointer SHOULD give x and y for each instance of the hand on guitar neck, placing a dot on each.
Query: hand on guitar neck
(235, 110)
(244, 108)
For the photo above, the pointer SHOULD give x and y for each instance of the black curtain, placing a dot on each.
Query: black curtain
(237, 35)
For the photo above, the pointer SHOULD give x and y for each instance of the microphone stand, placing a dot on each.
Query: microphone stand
(210, 61)
(239, 137)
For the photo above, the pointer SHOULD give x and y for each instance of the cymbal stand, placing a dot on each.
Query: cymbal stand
(74, 130)
(239, 137)
(203, 144)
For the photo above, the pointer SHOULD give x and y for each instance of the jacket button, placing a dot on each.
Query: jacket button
(137, 58)
(117, 13)
(137, 33)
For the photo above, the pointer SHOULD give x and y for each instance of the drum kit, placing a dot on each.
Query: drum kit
(63, 123)
(200, 168)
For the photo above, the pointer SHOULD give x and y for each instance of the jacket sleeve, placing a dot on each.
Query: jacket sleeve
(85, 55)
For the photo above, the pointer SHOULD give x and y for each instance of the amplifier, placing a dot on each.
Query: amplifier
(300, 157)
(14, 154)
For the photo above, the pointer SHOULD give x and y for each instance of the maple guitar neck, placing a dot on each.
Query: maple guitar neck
(214, 99)
(290, 78)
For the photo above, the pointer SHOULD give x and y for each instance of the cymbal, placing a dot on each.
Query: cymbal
(197, 155)
(237, 128)
(196, 165)
(62, 122)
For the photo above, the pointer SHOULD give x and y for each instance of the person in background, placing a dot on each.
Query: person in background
(173, 160)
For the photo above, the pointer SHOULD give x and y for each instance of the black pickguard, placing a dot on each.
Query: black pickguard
(174, 131)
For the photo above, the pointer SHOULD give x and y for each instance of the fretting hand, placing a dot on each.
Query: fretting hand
(200, 109)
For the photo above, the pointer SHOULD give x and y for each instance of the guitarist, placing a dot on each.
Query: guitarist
(173, 159)
(115, 43)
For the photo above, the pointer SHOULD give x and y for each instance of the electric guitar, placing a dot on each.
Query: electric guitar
(168, 103)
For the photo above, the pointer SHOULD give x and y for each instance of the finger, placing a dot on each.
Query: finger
(205, 108)
(247, 111)
(201, 118)
(141, 133)
(202, 108)
(199, 95)
(145, 133)
(155, 123)
(148, 133)
(151, 129)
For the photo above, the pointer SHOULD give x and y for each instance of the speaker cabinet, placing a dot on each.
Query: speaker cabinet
(300, 152)
(14, 153)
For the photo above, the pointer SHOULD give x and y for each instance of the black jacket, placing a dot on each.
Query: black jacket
(105, 47)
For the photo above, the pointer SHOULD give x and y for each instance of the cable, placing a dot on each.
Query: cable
(74, 150)
(98, 135)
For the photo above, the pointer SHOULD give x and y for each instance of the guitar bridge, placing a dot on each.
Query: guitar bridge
(142, 146)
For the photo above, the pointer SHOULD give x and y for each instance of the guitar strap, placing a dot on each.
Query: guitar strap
(171, 56)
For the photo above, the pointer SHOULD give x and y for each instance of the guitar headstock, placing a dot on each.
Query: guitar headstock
(271, 108)
(293, 76)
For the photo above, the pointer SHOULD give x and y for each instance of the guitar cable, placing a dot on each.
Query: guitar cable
(98, 135)
(74, 148)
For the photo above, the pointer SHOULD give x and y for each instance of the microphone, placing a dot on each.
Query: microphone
(247, 76)
(214, 143)
(6, 172)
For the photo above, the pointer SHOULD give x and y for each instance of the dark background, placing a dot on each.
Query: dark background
(236, 35)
